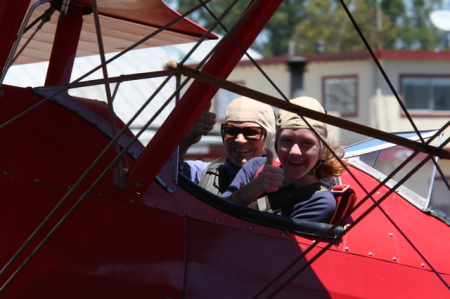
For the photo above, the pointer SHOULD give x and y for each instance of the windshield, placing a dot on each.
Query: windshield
(424, 188)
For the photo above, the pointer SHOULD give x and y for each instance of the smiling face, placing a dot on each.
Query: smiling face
(240, 149)
(298, 151)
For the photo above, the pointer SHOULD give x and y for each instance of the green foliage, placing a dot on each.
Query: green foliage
(207, 15)
(282, 26)
(299, 24)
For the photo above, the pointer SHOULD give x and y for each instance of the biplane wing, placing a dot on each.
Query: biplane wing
(123, 23)
(87, 211)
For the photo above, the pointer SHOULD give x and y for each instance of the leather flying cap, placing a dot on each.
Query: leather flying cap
(289, 120)
(244, 109)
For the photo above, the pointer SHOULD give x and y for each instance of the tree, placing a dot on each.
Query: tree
(385, 24)
(281, 27)
(273, 40)
(413, 26)
(206, 16)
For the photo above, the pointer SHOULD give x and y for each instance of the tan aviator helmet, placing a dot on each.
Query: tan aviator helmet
(289, 120)
(244, 109)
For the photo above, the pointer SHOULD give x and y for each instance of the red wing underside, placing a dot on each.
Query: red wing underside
(123, 23)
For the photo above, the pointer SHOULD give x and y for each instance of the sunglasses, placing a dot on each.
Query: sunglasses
(250, 133)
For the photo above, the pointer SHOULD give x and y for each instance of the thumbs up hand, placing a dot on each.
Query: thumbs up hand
(271, 178)
(202, 127)
(268, 180)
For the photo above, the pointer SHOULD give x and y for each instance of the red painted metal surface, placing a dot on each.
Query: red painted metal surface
(108, 246)
(117, 243)
(404, 231)
(65, 47)
(244, 261)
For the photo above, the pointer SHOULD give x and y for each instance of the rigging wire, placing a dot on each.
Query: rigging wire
(391, 86)
(203, 61)
(353, 224)
(368, 46)
(375, 58)
(68, 86)
(44, 18)
(233, 87)
(381, 184)
(91, 167)
(307, 123)
(80, 200)
(252, 60)
(111, 112)
(361, 184)
(97, 160)
(376, 203)
(17, 40)
(112, 163)
(380, 68)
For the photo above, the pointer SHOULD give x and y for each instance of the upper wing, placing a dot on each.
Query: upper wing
(123, 22)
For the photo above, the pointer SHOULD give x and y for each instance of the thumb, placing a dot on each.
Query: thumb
(269, 156)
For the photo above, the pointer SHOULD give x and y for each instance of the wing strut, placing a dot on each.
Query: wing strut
(199, 94)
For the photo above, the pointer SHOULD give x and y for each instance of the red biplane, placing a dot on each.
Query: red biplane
(87, 211)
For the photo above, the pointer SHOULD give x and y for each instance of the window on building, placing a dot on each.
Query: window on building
(426, 93)
(340, 94)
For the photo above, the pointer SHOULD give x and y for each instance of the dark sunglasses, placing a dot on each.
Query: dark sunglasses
(250, 133)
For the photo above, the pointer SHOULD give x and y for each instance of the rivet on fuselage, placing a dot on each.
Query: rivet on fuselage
(370, 253)
(249, 227)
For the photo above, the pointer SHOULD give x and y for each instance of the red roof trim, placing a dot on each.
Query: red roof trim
(362, 55)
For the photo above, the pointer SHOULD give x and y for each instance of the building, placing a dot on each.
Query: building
(351, 85)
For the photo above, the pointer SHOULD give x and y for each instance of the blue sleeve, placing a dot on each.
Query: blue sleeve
(320, 207)
(193, 170)
(245, 175)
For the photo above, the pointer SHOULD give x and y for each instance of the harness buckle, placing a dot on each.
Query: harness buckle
(339, 188)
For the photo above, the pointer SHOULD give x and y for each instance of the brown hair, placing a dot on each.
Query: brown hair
(333, 165)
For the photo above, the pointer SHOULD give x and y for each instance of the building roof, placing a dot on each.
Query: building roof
(361, 55)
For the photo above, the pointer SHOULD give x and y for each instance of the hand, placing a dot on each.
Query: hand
(271, 178)
(203, 126)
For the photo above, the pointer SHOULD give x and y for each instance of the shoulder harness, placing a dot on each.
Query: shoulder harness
(215, 178)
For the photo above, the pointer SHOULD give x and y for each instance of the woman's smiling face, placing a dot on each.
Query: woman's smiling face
(298, 151)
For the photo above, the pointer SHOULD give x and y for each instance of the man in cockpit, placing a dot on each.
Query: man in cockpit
(248, 129)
